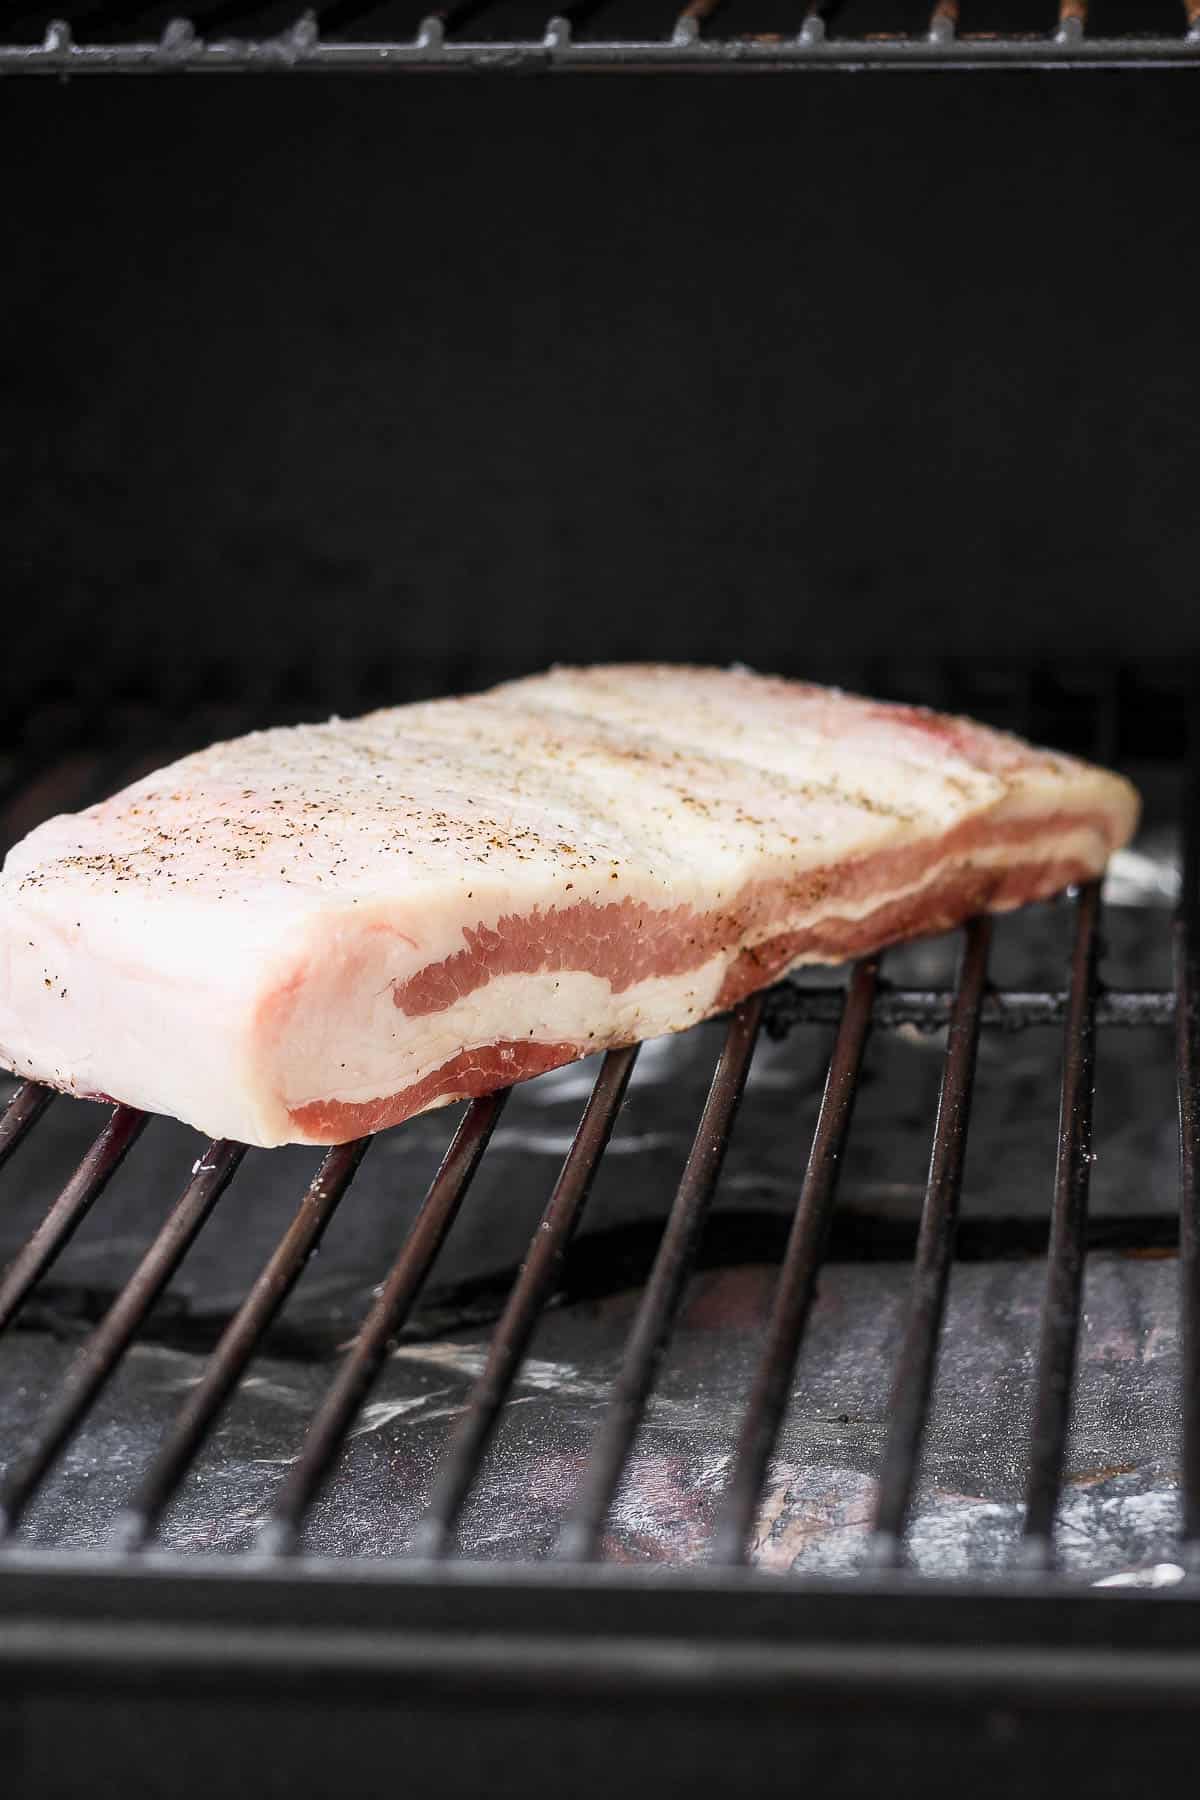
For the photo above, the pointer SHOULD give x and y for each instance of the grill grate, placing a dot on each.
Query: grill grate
(935, 1248)
(529, 1295)
(864, 1005)
(798, 1275)
(390, 39)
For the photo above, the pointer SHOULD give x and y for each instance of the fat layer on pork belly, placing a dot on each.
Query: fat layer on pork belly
(313, 932)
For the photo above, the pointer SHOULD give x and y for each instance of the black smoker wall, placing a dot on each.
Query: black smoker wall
(774, 369)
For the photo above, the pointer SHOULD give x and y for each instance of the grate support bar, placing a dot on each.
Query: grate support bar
(300, 49)
(579, 1538)
(908, 1407)
(1010, 1009)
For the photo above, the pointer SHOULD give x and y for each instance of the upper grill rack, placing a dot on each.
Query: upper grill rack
(358, 35)
(865, 1005)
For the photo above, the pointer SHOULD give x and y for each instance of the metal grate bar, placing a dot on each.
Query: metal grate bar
(301, 49)
(21, 1115)
(913, 1384)
(239, 1342)
(365, 1357)
(1068, 1242)
(1072, 20)
(930, 1008)
(691, 20)
(1187, 1057)
(580, 1535)
(943, 20)
(104, 1348)
(71, 1208)
(529, 1295)
(798, 1273)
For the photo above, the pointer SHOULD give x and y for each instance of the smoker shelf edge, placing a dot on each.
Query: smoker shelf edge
(84, 1606)
(309, 1680)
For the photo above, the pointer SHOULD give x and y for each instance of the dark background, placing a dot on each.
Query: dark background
(400, 381)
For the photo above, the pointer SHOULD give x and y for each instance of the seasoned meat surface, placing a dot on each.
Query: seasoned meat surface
(315, 932)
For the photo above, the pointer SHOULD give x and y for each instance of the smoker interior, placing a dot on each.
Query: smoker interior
(321, 395)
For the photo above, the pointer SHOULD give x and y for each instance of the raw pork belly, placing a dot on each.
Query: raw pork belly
(313, 933)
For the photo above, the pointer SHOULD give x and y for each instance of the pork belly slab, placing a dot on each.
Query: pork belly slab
(312, 933)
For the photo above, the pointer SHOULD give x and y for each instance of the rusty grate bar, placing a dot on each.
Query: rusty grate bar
(691, 21)
(1072, 20)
